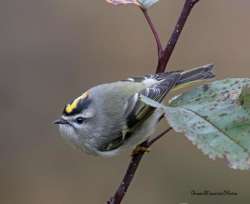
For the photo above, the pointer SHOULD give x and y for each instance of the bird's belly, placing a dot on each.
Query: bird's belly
(145, 130)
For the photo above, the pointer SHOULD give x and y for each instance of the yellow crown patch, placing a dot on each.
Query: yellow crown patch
(71, 107)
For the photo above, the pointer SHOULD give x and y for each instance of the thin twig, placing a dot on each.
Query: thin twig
(154, 31)
(187, 8)
(133, 165)
(150, 142)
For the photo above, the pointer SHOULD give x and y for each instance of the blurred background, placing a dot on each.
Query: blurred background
(53, 50)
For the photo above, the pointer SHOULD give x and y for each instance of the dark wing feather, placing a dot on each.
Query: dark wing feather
(137, 112)
(158, 77)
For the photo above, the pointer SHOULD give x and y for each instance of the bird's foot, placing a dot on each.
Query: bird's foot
(139, 150)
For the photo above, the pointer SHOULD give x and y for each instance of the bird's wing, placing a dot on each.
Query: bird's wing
(137, 111)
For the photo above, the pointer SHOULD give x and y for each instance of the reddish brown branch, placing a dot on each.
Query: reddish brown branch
(163, 59)
(133, 165)
(168, 51)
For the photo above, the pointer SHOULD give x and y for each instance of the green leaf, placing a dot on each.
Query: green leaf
(147, 3)
(216, 118)
(142, 3)
(123, 2)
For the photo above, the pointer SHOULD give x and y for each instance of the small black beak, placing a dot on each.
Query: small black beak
(61, 122)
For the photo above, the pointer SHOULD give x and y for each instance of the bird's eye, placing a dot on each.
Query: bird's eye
(79, 120)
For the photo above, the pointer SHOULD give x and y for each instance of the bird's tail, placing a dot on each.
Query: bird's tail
(197, 74)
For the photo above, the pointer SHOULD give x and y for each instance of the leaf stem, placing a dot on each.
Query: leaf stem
(154, 31)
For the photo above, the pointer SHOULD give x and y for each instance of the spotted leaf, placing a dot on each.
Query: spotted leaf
(216, 118)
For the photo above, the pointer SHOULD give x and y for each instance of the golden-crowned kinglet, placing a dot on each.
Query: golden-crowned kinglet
(110, 117)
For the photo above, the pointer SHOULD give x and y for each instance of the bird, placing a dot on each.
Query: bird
(110, 117)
